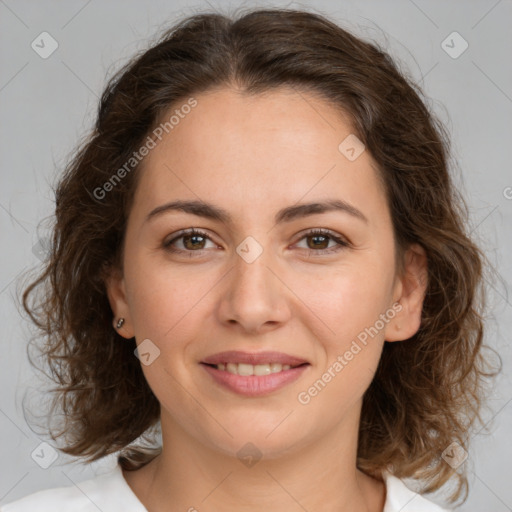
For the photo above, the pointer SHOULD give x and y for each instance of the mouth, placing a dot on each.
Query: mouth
(254, 374)
(247, 370)
(239, 357)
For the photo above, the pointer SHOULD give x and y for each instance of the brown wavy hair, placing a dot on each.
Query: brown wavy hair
(426, 393)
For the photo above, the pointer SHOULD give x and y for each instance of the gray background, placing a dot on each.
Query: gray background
(47, 105)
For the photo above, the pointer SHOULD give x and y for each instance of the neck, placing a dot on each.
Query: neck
(320, 476)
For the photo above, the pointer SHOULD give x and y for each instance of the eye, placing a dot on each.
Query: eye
(193, 241)
(320, 242)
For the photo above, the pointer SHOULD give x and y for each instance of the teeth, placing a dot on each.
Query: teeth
(249, 369)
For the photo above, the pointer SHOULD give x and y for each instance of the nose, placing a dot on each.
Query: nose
(255, 297)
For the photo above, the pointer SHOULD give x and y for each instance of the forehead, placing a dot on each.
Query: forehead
(257, 151)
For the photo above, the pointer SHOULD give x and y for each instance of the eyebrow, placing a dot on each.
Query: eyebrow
(288, 214)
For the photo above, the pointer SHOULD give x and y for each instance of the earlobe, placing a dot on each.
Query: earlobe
(410, 291)
(116, 293)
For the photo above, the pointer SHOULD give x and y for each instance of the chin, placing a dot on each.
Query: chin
(268, 437)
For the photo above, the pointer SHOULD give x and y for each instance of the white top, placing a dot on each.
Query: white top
(110, 492)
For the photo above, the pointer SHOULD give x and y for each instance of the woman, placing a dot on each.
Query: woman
(259, 252)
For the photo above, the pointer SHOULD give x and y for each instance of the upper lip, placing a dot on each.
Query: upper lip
(254, 358)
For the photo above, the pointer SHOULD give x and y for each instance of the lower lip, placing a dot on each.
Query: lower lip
(255, 385)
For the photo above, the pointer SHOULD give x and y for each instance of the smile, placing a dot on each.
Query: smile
(250, 369)
(253, 380)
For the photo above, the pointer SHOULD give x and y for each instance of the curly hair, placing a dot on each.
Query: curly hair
(426, 393)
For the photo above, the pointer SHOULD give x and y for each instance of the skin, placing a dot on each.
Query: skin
(253, 155)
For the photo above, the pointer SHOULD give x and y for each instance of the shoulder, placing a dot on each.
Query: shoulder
(109, 492)
(400, 498)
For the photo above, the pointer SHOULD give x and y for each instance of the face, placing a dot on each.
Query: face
(260, 280)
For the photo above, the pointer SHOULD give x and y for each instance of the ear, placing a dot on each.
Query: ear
(116, 292)
(409, 290)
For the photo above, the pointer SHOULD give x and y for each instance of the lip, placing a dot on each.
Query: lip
(255, 385)
(254, 358)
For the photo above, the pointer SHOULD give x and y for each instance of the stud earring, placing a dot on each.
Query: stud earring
(120, 323)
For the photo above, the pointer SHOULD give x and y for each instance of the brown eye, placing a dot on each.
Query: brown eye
(193, 240)
(318, 241)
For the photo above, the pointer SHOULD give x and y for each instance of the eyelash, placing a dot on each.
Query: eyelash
(342, 244)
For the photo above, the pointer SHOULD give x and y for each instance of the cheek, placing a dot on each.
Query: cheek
(167, 301)
(351, 345)
(350, 301)
(332, 393)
